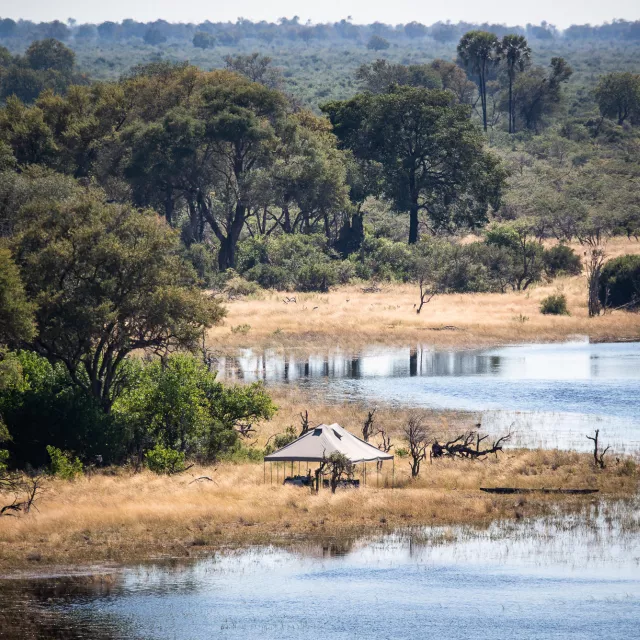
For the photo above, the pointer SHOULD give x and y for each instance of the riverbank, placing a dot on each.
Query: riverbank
(115, 516)
(347, 317)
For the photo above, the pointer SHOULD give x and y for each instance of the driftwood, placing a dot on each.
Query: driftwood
(516, 490)
(467, 445)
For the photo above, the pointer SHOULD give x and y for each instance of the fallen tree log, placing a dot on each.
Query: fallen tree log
(517, 490)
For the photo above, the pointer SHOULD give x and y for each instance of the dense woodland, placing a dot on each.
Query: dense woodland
(140, 191)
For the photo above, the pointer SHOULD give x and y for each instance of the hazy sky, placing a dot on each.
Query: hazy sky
(558, 12)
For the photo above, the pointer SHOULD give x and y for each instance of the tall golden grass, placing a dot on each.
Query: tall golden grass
(348, 318)
(105, 518)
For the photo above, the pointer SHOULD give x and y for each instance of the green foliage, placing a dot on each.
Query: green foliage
(64, 464)
(377, 43)
(163, 460)
(431, 154)
(178, 404)
(620, 283)
(618, 96)
(108, 280)
(41, 406)
(4, 459)
(203, 40)
(16, 312)
(292, 261)
(561, 260)
(555, 304)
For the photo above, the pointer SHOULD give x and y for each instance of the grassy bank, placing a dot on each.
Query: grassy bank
(106, 518)
(349, 318)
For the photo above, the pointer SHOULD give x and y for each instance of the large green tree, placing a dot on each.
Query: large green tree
(106, 280)
(618, 95)
(431, 154)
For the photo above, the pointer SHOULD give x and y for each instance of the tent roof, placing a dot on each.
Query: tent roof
(321, 442)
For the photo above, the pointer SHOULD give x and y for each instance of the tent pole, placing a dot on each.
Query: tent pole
(271, 470)
(264, 472)
(393, 473)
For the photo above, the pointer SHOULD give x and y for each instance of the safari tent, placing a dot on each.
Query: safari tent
(319, 443)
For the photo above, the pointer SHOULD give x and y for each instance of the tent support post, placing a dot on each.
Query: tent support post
(393, 474)
(271, 470)
(264, 472)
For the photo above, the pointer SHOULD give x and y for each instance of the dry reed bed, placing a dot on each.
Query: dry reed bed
(348, 318)
(124, 517)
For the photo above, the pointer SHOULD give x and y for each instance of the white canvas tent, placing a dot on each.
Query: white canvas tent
(319, 443)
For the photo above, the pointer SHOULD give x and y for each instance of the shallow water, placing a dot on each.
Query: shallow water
(564, 577)
(552, 394)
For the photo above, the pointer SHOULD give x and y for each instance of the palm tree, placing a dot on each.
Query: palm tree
(516, 53)
(479, 51)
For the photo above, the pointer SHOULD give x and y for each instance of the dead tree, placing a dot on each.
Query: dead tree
(467, 446)
(418, 438)
(595, 261)
(367, 427)
(26, 492)
(427, 292)
(304, 422)
(385, 445)
(598, 456)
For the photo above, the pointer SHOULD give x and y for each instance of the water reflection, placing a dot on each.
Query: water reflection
(554, 577)
(565, 389)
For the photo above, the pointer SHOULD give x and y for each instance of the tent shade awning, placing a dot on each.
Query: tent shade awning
(319, 443)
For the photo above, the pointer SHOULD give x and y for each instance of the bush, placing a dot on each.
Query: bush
(292, 262)
(46, 408)
(63, 464)
(620, 283)
(561, 260)
(555, 305)
(4, 458)
(165, 460)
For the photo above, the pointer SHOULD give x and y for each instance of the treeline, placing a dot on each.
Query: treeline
(208, 33)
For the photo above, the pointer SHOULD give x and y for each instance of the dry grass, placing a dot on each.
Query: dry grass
(349, 318)
(118, 518)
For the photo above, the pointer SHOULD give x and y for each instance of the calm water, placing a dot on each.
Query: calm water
(552, 394)
(571, 577)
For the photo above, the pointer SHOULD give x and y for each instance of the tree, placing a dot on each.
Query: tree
(415, 30)
(619, 285)
(381, 76)
(203, 40)
(106, 280)
(16, 312)
(154, 36)
(479, 52)
(50, 54)
(256, 67)
(377, 43)
(177, 403)
(431, 154)
(516, 53)
(418, 438)
(537, 94)
(525, 251)
(618, 95)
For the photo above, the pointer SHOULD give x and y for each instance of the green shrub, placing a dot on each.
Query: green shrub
(561, 260)
(63, 464)
(401, 452)
(242, 329)
(165, 460)
(4, 458)
(620, 282)
(555, 305)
